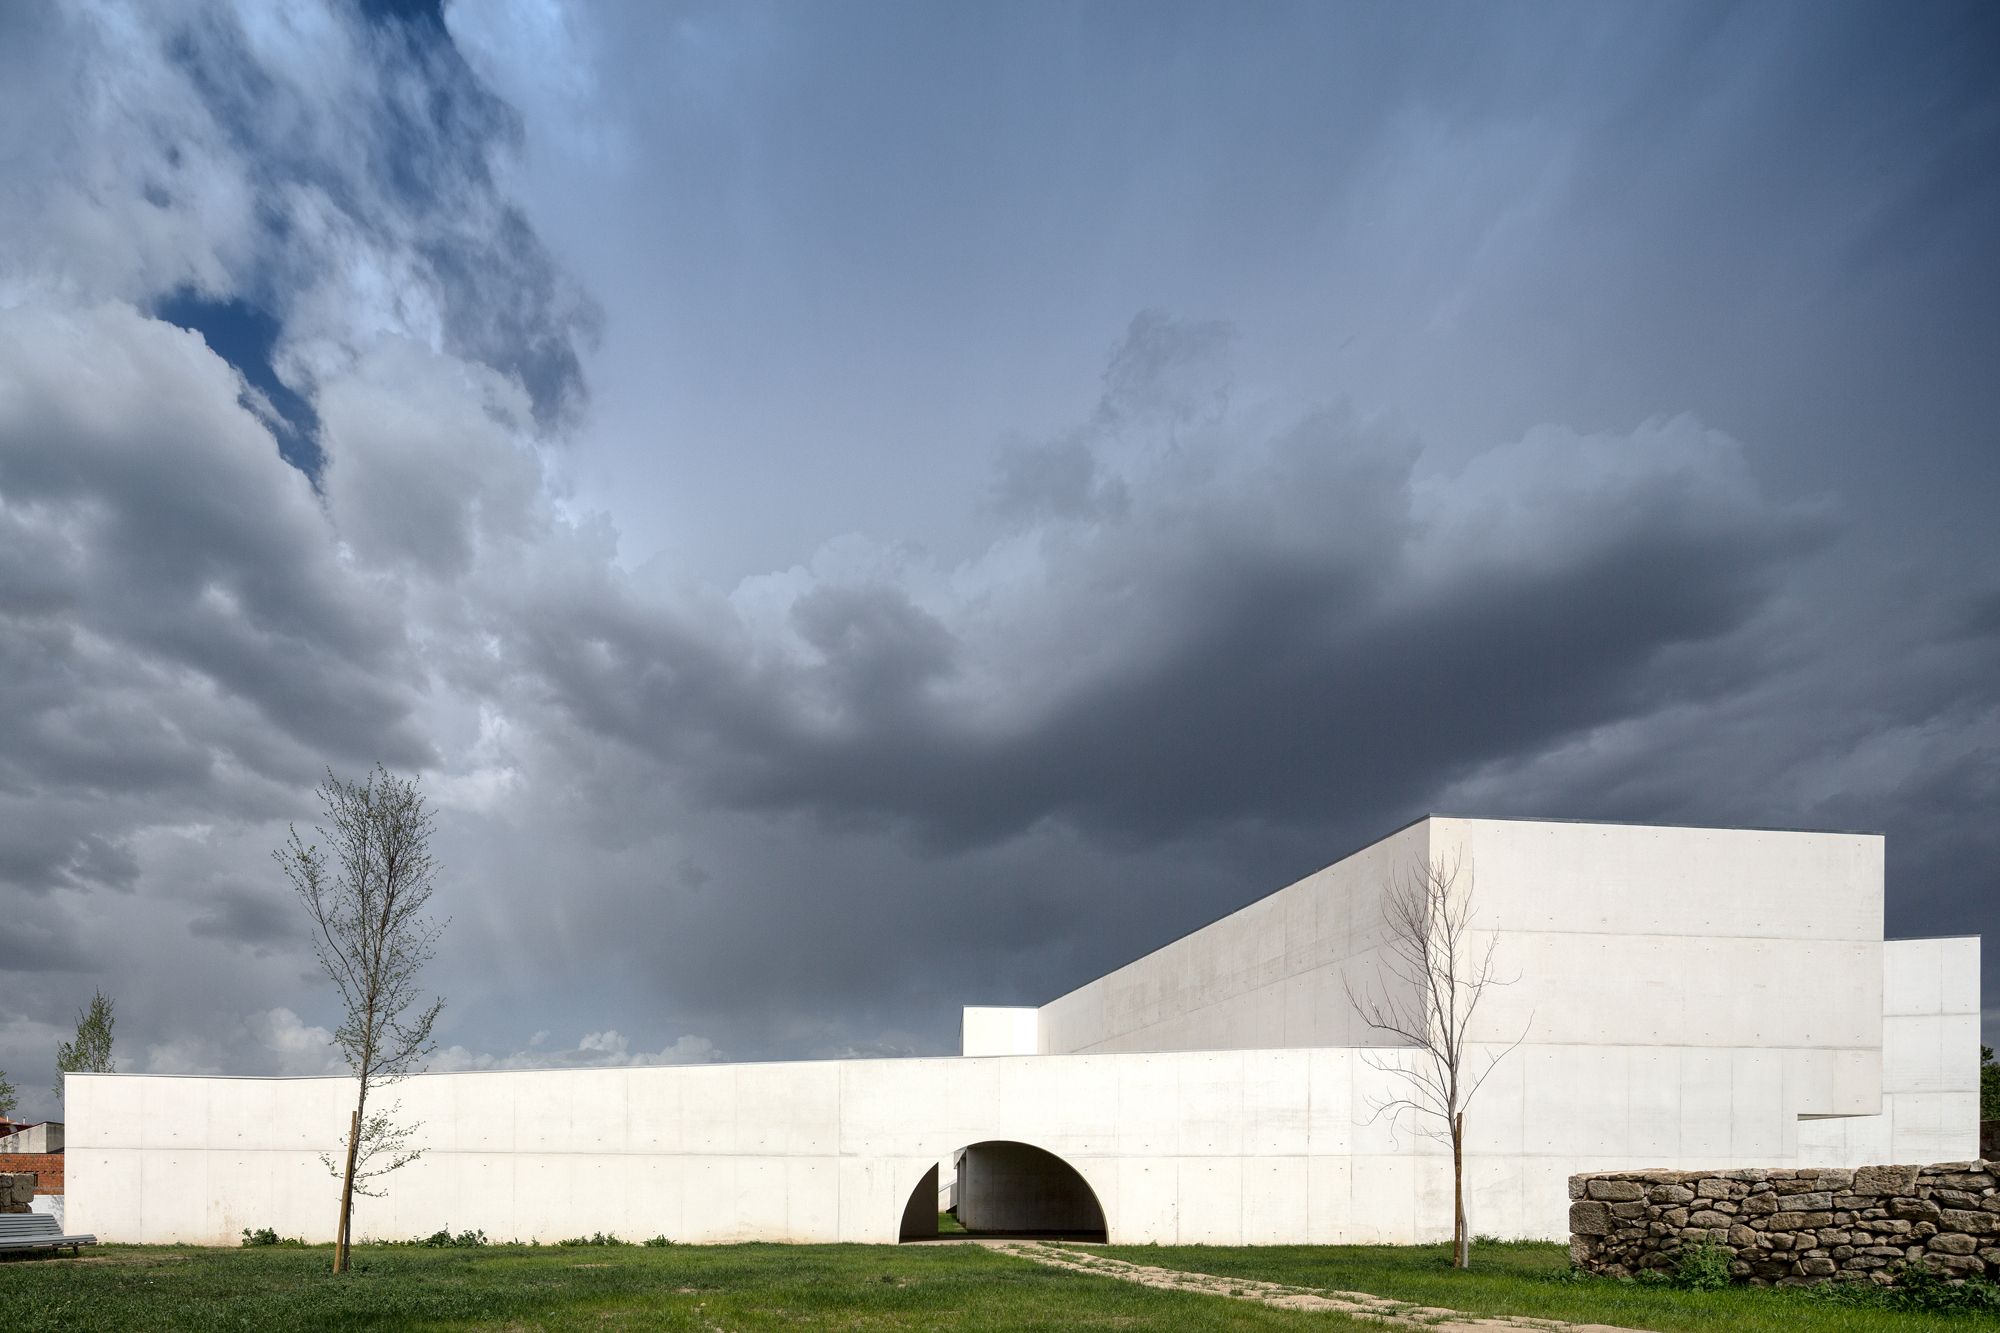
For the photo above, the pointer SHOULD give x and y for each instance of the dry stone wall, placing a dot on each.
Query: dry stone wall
(1786, 1227)
(17, 1192)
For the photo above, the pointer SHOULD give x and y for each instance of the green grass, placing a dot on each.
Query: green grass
(1528, 1278)
(948, 1225)
(862, 1287)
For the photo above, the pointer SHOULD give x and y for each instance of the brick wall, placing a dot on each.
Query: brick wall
(47, 1168)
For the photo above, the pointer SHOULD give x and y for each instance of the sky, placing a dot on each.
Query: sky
(855, 510)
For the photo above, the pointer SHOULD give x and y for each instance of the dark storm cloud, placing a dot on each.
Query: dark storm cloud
(1166, 372)
(1662, 494)
(509, 307)
(255, 917)
(1251, 641)
(1058, 479)
(39, 945)
(183, 598)
(54, 844)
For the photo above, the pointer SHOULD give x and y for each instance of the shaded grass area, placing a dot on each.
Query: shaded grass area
(860, 1287)
(1533, 1278)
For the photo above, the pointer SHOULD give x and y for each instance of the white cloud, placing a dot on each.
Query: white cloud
(594, 1049)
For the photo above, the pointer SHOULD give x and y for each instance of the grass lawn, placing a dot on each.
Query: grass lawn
(1524, 1278)
(861, 1287)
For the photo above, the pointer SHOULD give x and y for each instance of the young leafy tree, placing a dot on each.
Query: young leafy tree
(1989, 1085)
(1427, 989)
(8, 1101)
(90, 1053)
(367, 899)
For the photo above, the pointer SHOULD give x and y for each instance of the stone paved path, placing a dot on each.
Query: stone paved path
(1355, 1304)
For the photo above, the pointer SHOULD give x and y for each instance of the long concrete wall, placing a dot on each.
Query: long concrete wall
(1232, 1147)
(1692, 999)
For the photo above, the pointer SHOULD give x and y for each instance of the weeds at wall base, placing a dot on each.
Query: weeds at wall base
(262, 1236)
(1917, 1289)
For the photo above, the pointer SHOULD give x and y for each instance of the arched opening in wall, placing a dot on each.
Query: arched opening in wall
(1003, 1188)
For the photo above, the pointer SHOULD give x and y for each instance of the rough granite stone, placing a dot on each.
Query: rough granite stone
(16, 1191)
(1589, 1218)
(1790, 1227)
(1885, 1179)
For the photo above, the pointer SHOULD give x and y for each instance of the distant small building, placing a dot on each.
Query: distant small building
(44, 1136)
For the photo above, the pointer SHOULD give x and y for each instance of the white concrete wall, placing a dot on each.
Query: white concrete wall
(1930, 1063)
(1266, 976)
(1658, 940)
(1620, 935)
(1688, 996)
(1231, 1147)
(1722, 937)
(988, 1030)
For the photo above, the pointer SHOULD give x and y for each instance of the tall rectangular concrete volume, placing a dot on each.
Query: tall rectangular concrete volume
(1699, 999)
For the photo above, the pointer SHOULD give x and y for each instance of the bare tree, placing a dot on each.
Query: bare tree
(90, 1053)
(372, 938)
(1427, 990)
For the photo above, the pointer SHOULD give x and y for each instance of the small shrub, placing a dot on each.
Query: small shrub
(1703, 1266)
(657, 1242)
(266, 1236)
(594, 1238)
(1919, 1288)
(443, 1239)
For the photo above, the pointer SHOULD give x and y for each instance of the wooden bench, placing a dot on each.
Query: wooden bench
(37, 1231)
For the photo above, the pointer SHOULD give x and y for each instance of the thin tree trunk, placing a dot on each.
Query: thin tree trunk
(340, 1243)
(1461, 1244)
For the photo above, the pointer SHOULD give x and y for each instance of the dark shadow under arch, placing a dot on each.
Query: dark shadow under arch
(1004, 1188)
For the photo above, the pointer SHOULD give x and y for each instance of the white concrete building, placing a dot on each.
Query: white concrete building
(45, 1136)
(1693, 998)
